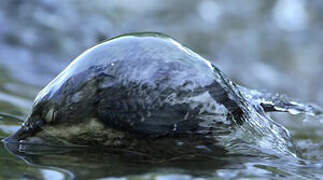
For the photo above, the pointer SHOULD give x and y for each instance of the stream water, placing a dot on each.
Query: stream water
(259, 149)
(262, 45)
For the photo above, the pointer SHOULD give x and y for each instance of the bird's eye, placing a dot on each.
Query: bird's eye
(50, 116)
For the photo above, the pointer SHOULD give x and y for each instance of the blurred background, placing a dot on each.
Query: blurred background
(267, 45)
(273, 46)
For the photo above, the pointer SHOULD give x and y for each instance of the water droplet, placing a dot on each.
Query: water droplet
(175, 127)
(180, 143)
(293, 111)
(186, 116)
(279, 108)
(142, 119)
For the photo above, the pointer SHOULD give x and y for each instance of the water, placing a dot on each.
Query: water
(44, 162)
(259, 44)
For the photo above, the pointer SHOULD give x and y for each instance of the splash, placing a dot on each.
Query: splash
(259, 133)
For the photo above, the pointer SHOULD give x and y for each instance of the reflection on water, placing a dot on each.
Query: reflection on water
(272, 45)
(94, 163)
(37, 161)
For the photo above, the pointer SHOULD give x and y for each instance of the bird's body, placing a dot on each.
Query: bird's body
(134, 87)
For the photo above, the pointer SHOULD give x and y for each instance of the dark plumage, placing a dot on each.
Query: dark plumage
(143, 84)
